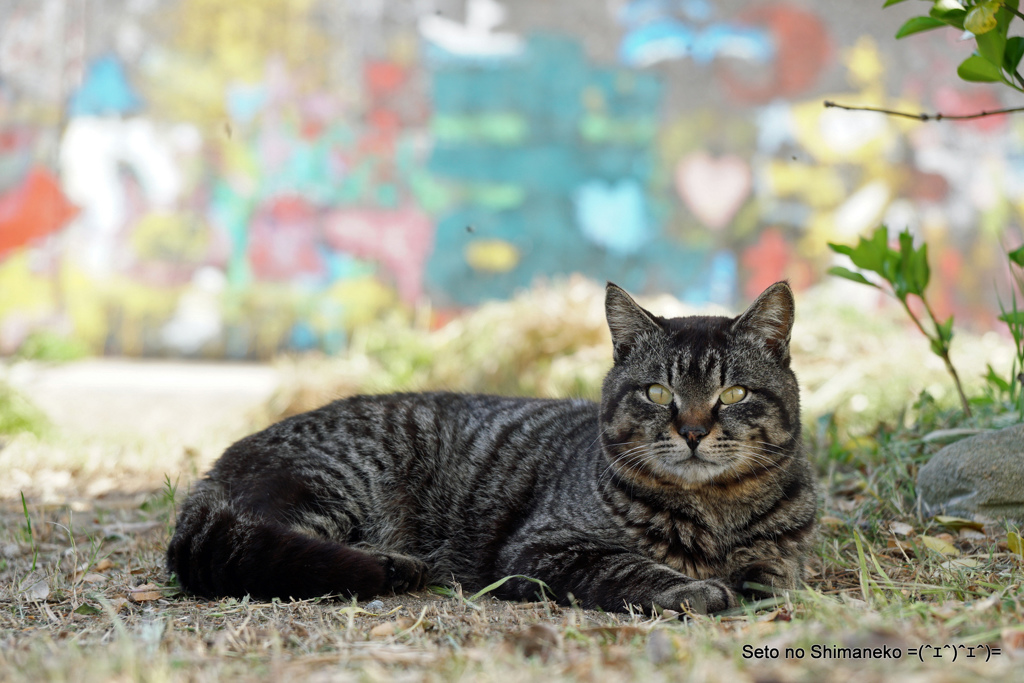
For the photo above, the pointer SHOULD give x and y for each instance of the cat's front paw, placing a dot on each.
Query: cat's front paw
(701, 597)
(402, 573)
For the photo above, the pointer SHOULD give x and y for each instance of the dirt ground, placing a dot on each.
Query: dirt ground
(84, 595)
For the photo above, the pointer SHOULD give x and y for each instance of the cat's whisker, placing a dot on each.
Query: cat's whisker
(623, 456)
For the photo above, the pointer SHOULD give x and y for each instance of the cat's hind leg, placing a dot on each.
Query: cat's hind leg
(221, 548)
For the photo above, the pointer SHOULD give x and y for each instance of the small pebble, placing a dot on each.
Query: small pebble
(375, 606)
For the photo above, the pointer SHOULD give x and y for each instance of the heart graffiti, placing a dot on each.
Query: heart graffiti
(713, 189)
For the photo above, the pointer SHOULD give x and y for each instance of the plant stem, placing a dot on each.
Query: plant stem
(930, 117)
(944, 344)
(945, 350)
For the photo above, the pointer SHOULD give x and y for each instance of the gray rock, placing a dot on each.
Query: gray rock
(981, 477)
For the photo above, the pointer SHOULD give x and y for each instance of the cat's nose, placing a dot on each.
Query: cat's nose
(693, 435)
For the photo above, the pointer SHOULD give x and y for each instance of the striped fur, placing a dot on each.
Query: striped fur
(626, 502)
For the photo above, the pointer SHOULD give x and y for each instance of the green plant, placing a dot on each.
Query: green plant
(1014, 319)
(17, 414)
(907, 273)
(45, 345)
(998, 55)
(29, 536)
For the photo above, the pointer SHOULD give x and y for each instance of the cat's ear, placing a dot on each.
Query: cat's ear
(627, 320)
(770, 320)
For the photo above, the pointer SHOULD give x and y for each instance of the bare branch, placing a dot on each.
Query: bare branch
(926, 117)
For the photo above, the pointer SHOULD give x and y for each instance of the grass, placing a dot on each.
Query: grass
(18, 415)
(99, 607)
(84, 597)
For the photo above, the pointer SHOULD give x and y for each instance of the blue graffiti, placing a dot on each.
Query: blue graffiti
(577, 153)
(105, 91)
(661, 30)
(669, 39)
(614, 216)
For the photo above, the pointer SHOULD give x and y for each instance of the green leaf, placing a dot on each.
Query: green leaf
(982, 18)
(937, 347)
(949, 12)
(890, 3)
(920, 273)
(86, 608)
(997, 381)
(845, 250)
(839, 271)
(945, 330)
(977, 69)
(502, 581)
(1013, 318)
(992, 44)
(913, 267)
(1013, 52)
(891, 272)
(917, 25)
(870, 254)
(1017, 256)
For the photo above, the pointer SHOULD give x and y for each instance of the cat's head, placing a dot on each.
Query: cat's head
(703, 398)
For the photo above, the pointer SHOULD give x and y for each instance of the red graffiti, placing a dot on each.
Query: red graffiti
(401, 241)
(954, 102)
(283, 238)
(766, 262)
(35, 209)
(803, 49)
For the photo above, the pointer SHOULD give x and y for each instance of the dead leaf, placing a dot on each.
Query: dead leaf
(969, 534)
(778, 614)
(957, 523)
(939, 545)
(390, 628)
(36, 586)
(849, 504)
(986, 604)
(147, 592)
(93, 577)
(1013, 642)
(1014, 543)
(901, 528)
(960, 563)
(829, 520)
(103, 565)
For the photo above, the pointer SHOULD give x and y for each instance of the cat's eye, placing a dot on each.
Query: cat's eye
(659, 394)
(732, 395)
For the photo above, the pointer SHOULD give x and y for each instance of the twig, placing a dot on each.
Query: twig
(925, 117)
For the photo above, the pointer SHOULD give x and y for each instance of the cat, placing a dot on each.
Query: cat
(686, 485)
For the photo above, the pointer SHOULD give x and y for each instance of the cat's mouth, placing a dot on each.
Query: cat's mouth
(693, 467)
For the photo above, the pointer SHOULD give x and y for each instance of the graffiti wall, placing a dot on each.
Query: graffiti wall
(226, 179)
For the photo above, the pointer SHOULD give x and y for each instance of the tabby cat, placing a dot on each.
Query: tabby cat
(685, 482)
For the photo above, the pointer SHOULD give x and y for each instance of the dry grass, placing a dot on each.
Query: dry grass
(83, 594)
(98, 607)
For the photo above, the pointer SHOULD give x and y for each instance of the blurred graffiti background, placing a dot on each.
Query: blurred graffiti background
(229, 179)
